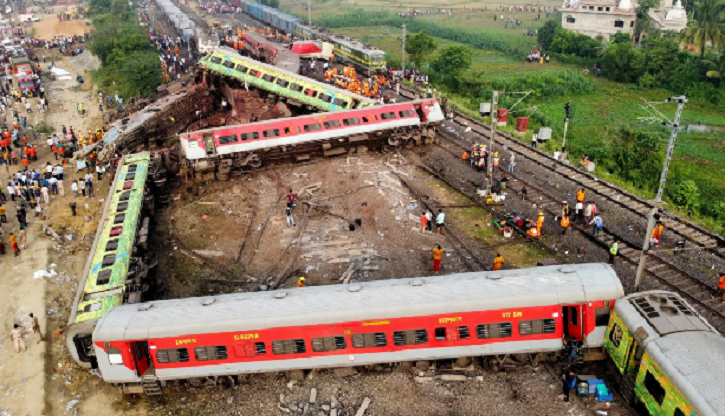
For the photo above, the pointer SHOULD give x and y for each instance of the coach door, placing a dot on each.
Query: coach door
(573, 326)
(209, 144)
(141, 354)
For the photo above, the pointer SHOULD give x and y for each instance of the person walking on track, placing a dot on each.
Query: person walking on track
(437, 257)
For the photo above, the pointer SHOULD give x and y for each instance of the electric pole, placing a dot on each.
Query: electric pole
(494, 120)
(681, 100)
(403, 46)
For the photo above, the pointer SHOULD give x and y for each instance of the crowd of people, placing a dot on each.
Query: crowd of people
(372, 87)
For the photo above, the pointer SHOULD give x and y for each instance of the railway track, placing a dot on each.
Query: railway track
(657, 268)
(694, 235)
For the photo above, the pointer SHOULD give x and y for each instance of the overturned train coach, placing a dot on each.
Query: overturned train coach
(248, 146)
(213, 340)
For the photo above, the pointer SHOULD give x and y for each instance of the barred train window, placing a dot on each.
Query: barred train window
(296, 87)
(119, 219)
(488, 331)
(388, 116)
(268, 78)
(413, 337)
(313, 127)
(406, 113)
(172, 355)
(210, 353)
(325, 98)
(282, 83)
(250, 136)
(216, 60)
(537, 326)
(328, 344)
(369, 340)
(351, 121)
(229, 64)
(289, 346)
(339, 102)
(241, 68)
(332, 123)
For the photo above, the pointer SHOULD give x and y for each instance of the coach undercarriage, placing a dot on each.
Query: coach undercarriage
(221, 167)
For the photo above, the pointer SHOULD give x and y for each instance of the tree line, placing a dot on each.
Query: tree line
(130, 64)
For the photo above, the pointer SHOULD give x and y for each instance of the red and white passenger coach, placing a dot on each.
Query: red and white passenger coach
(460, 315)
(332, 133)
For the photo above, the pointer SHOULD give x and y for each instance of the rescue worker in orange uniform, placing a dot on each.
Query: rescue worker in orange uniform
(540, 223)
(301, 282)
(498, 262)
(721, 286)
(657, 234)
(580, 195)
(564, 224)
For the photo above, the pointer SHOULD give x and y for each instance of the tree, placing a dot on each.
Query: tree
(621, 62)
(547, 32)
(140, 74)
(620, 37)
(568, 42)
(642, 15)
(419, 47)
(708, 25)
(638, 157)
(451, 62)
(686, 194)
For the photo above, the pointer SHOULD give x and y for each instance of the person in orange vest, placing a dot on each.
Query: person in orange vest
(32, 154)
(532, 232)
(25, 160)
(61, 151)
(580, 195)
(564, 224)
(498, 262)
(721, 286)
(657, 234)
(301, 282)
(465, 156)
(540, 223)
(176, 49)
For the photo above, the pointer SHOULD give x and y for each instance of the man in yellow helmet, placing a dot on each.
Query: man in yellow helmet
(301, 282)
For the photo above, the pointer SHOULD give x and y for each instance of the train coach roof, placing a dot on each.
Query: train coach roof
(231, 53)
(382, 299)
(693, 362)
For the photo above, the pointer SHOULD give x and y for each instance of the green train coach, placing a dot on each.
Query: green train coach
(228, 62)
(113, 273)
(354, 52)
(666, 358)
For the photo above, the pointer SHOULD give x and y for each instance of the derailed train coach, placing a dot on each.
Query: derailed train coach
(667, 359)
(211, 340)
(248, 146)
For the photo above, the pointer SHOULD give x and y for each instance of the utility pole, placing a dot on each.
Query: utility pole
(494, 120)
(651, 218)
(309, 13)
(404, 46)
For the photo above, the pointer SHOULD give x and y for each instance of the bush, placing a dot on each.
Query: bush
(686, 195)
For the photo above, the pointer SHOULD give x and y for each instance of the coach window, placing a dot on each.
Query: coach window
(282, 83)
(216, 60)
(112, 245)
(601, 316)
(241, 68)
(537, 326)
(104, 276)
(365, 120)
(291, 130)
(388, 116)
(114, 356)
(250, 136)
(463, 332)
(268, 78)
(369, 340)
(406, 113)
(271, 133)
(289, 346)
(615, 335)
(351, 121)
(172, 355)
(229, 64)
(260, 348)
(310, 92)
(488, 331)
(118, 219)
(328, 344)
(340, 102)
(440, 334)
(296, 87)
(325, 98)
(313, 127)
(253, 72)
(228, 139)
(332, 123)
(414, 337)
(210, 353)
(654, 388)
(108, 260)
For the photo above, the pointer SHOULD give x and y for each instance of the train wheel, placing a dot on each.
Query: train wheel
(255, 161)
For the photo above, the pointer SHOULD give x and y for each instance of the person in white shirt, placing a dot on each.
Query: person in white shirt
(100, 171)
(440, 221)
(74, 188)
(60, 172)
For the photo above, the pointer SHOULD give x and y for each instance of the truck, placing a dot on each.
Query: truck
(25, 83)
(21, 65)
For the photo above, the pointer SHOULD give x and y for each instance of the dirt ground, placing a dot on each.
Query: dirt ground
(49, 26)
